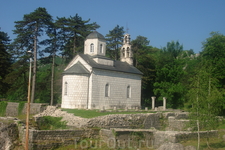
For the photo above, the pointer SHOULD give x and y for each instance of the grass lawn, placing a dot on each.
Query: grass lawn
(95, 113)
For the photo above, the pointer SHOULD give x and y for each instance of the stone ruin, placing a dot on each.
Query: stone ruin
(116, 130)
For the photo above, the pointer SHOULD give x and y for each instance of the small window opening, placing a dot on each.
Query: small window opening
(128, 91)
(101, 48)
(92, 47)
(65, 88)
(107, 90)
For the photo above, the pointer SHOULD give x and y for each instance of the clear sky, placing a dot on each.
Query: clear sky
(161, 21)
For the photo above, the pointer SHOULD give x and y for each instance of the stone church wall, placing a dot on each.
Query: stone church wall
(118, 82)
(77, 86)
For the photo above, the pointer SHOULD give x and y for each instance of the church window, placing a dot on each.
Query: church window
(128, 91)
(125, 39)
(107, 90)
(123, 52)
(101, 48)
(92, 47)
(128, 52)
(65, 88)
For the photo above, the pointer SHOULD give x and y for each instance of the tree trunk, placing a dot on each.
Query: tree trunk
(35, 65)
(52, 79)
(198, 135)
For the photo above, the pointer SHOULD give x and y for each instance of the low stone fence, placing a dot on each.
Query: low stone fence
(8, 133)
(127, 138)
(143, 121)
(50, 139)
(12, 108)
(137, 138)
(161, 137)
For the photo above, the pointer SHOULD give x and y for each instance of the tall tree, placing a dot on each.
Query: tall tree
(214, 52)
(54, 44)
(137, 46)
(74, 30)
(28, 30)
(169, 75)
(205, 99)
(5, 62)
(114, 41)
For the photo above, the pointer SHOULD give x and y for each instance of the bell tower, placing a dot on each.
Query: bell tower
(126, 54)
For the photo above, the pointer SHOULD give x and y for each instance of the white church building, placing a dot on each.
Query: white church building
(93, 81)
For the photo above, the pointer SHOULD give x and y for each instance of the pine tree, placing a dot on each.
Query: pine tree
(114, 42)
(28, 30)
(5, 62)
(74, 30)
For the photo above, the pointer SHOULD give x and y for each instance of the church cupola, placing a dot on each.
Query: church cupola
(126, 54)
(95, 44)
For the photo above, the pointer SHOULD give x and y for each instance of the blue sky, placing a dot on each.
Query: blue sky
(161, 21)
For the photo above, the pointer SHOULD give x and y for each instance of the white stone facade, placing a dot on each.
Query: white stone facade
(118, 83)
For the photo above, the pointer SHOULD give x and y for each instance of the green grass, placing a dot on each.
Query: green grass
(95, 113)
(214, 142)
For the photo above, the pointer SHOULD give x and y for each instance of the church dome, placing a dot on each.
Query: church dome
(95, 35)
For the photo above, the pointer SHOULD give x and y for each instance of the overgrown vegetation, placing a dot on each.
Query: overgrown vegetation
(20, 108)
(3, 106)
(95, 113)
(51, 123)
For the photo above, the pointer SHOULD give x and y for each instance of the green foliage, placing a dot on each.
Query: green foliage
(51, 123)
(74, 30)
(3, 106)
(5, 62)
(114, 42)
(20, 108)
(170, 74)
(206, 98)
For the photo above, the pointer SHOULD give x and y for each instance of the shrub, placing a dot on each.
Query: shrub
(3, 106)
(51, 123)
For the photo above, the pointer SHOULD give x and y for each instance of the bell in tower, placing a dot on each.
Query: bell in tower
(126, 54)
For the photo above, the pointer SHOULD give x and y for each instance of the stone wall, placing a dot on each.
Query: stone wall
(8, 134)
(118, 83)
(50, 139)
(127, 138)
(12, 108)
(76, 94)
(143, 121)
(137, 138)
(161, 137)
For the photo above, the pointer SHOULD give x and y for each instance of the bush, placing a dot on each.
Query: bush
(21, 106)
(3, 106)
(51, 123)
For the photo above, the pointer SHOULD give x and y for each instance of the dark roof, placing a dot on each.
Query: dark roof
(95, 35)
(77, 68)
(118, 65)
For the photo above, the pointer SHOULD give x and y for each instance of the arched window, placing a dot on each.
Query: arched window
(107, 90)
(92, 47)
(123, 52)
(65, 88)
(128, 52)
(101, 48)
(128, 91)
(125, 39)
